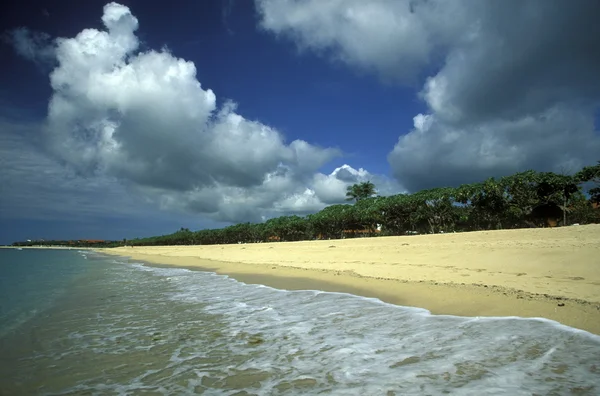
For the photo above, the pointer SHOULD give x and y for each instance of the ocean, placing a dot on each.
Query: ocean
(81, 323)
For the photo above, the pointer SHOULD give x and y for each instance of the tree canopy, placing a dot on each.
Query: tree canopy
(360, 191)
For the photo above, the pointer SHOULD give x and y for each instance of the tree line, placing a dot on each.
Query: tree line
(525, 199)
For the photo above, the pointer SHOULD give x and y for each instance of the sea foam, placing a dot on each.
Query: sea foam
(346, 344)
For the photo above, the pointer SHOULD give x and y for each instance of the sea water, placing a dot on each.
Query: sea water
(78, 323)
(30, 280)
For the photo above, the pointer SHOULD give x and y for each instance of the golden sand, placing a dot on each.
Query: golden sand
(551, 273)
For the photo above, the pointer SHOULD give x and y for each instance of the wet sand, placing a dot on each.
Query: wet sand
(549, 273)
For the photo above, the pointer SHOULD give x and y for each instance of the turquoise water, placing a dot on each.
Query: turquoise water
(115, 327)
(31, 280)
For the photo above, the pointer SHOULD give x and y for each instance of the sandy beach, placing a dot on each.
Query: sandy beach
(550, 273)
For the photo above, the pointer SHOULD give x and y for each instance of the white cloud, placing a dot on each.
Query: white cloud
(144, 119)
(299, 203)
(375, 35)
(512, 85)
(332, 188)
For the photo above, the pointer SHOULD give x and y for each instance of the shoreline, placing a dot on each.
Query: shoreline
(507, 271)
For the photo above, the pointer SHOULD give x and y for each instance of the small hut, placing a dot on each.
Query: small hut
(548, 214)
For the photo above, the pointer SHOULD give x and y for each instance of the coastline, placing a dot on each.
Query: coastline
(547, 273)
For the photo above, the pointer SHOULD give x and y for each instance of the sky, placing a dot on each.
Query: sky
(132, 119)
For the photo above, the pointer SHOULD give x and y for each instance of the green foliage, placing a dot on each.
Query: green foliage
(360, 191)
(333, 220)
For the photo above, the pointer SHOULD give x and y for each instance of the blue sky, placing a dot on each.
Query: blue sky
(103, 138)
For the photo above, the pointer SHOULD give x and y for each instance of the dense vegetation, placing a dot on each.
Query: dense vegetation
(526, 199)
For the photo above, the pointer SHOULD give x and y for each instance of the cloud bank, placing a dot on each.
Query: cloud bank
(509, 85)
(143, 118)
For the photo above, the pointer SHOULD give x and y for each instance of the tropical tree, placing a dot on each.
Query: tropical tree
(395, 214)
(521, 197)
(368, 214)
(436, 209)
(488, 202)
(359, 191)
(332, 221)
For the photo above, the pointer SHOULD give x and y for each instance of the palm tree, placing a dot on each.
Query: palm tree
(359, 191)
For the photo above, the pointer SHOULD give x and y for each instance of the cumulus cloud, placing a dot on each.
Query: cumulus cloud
(144, 119)
(512, 85)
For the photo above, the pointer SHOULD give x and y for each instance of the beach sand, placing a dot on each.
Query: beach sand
(550, 273)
